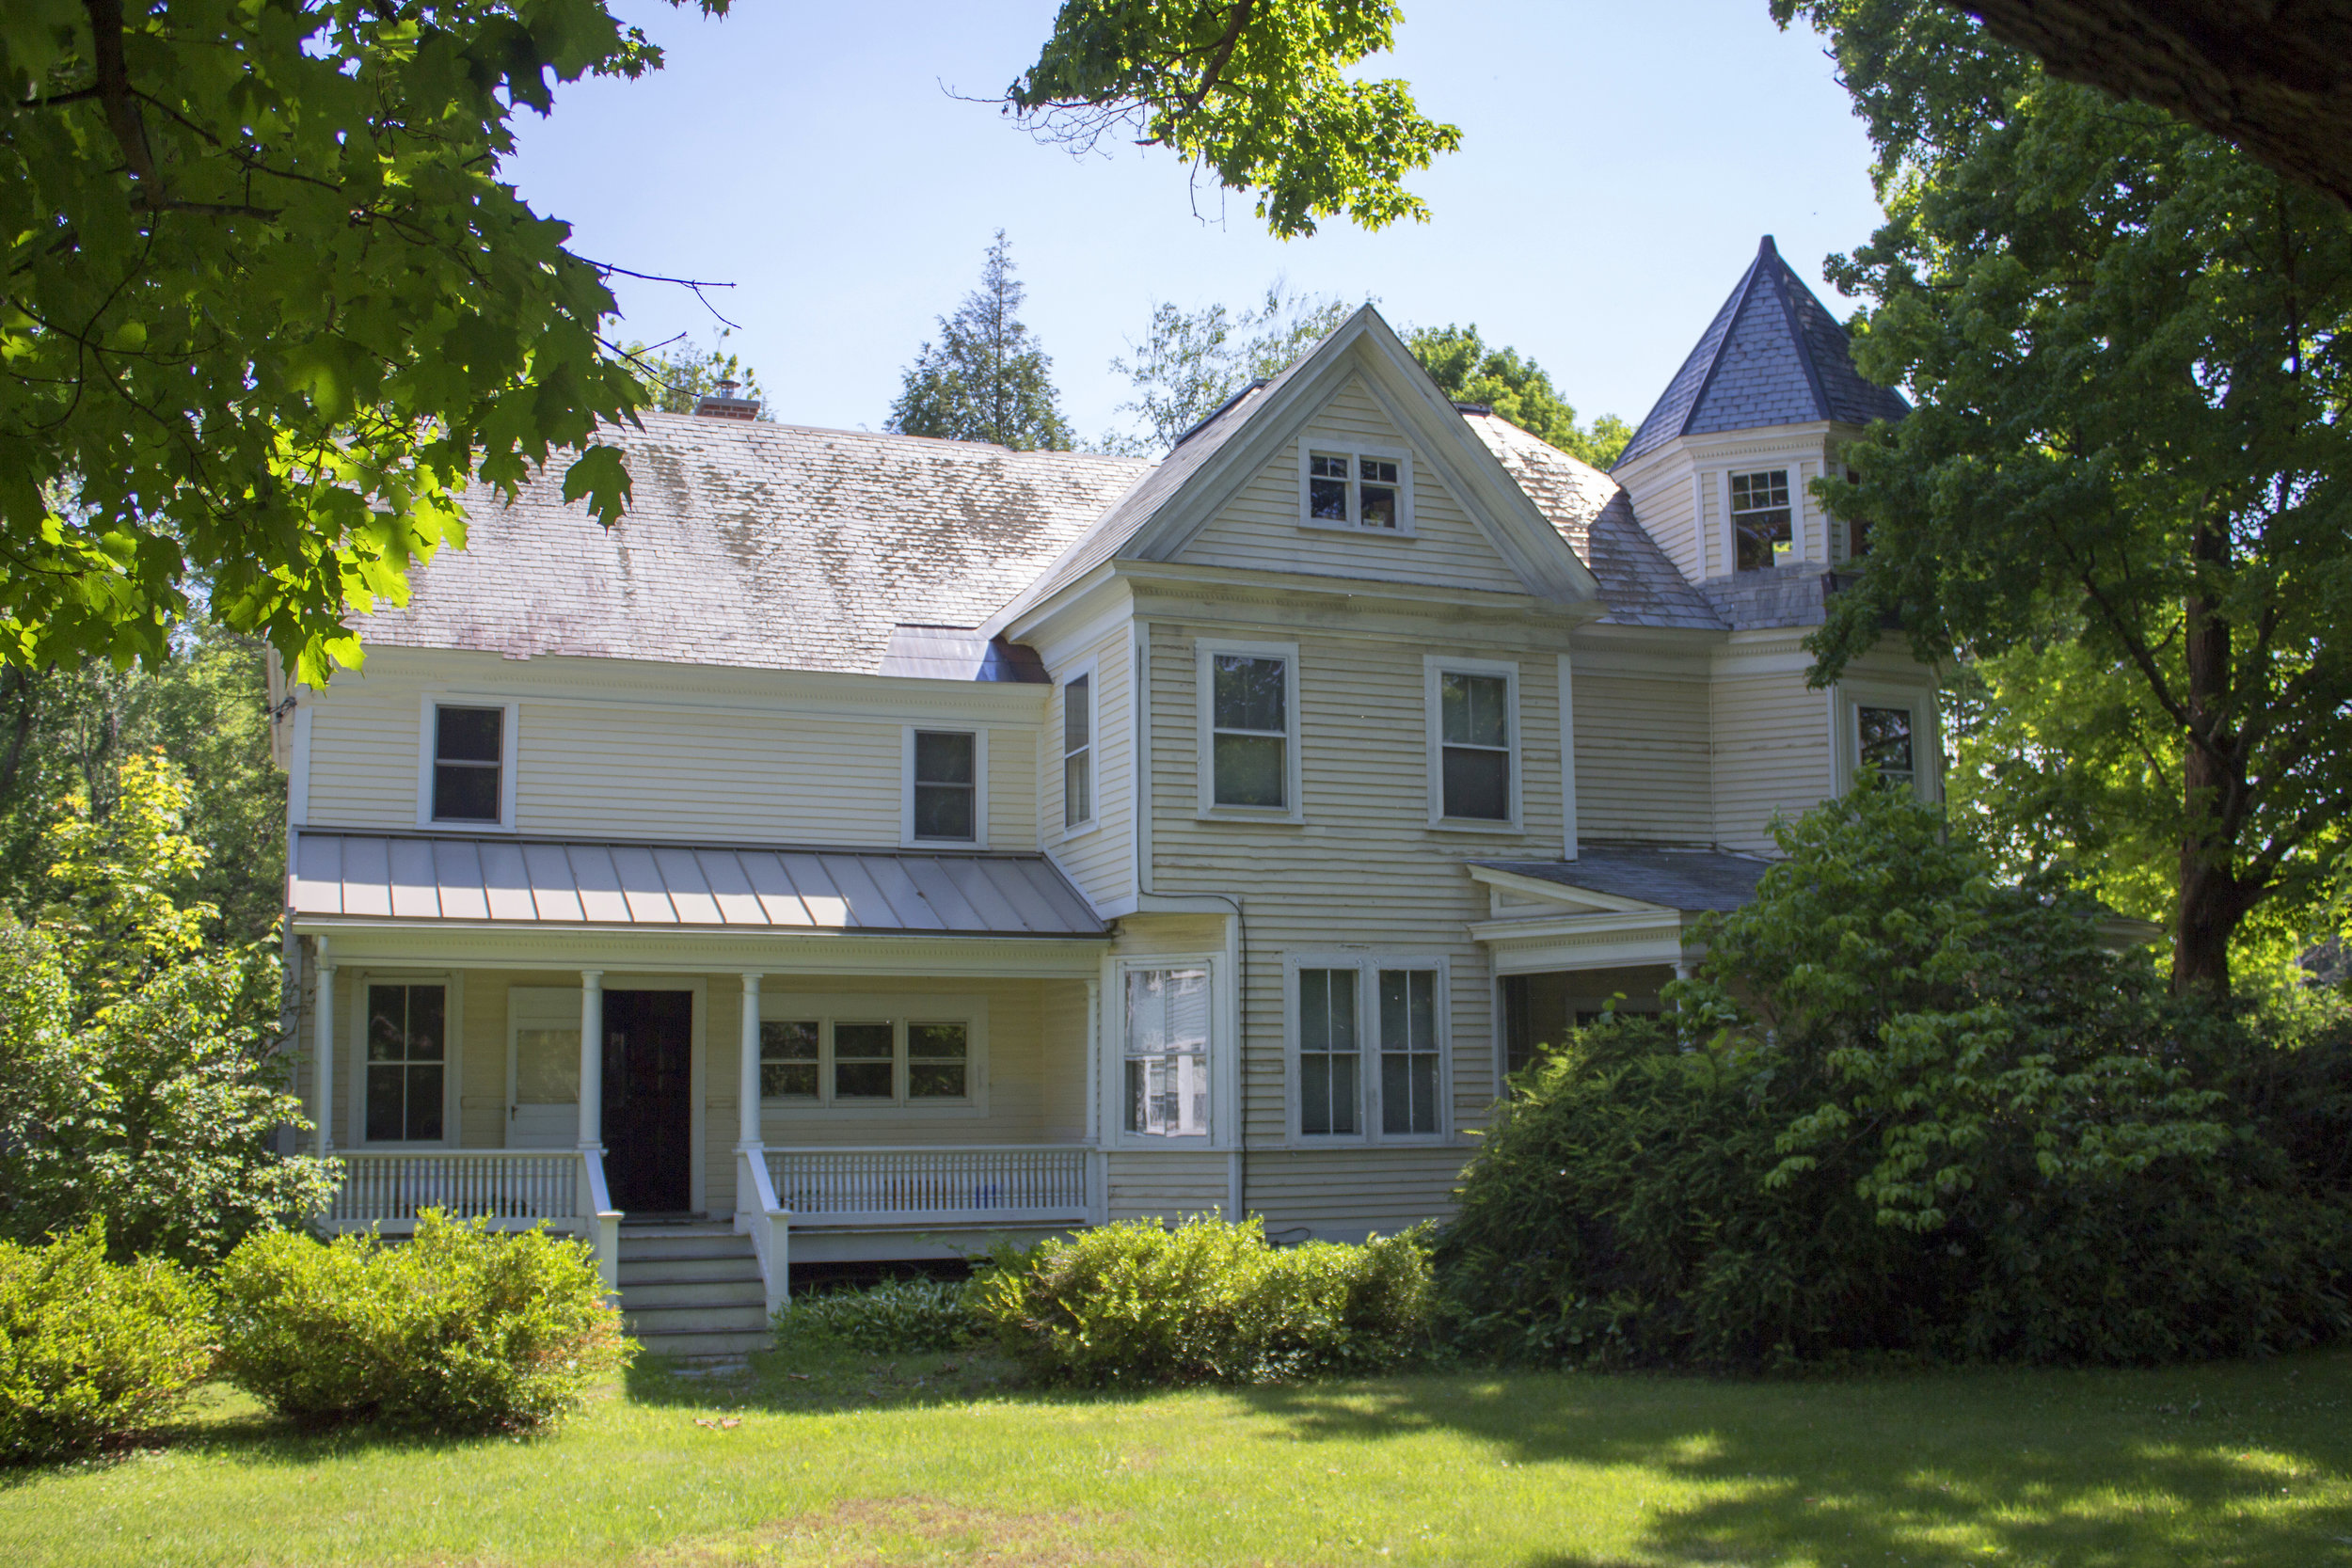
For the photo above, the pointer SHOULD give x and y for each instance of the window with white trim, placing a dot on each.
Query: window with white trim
(946, 786)
(1077, 751)
(1164, 1043)
(406, 1087)
(1357, 487)
(844, 1053)
(1368, 1046)
(1763, 526)
(1883, 740)
(468, 763)
(1249, 735)
(1473, 743)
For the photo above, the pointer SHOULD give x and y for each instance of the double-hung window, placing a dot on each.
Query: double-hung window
(407, 1065)
(1249, 729)
(1354, 487)
(1762, 522)
(1367, 1047)
(1883, 740)
(1077, 751)
(1473, 743)
(1164, 1050)
(947, 794)
(847, 1051)
(466, 774)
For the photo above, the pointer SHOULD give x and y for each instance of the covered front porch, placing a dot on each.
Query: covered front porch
(492, 1033)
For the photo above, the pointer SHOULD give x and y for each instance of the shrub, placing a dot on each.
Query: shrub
(1906, 1110)
(91, 1352)
(895, 1317)
(462, 1329)
(1206, 1302)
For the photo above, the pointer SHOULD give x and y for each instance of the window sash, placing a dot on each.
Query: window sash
(1165, 1045)
(469, 759)
(1370, 1076)
(1250, 730)
(1476, 745)
(1330, 1052)
(1077, 741)
(405, 1050)
(888, 1058)
(1886, 737)
(1762, 519)
(1354, 489)
(947, 785)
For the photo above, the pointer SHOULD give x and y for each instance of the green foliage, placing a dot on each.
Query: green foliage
(680, 375)
(271, 308)
(462, 1329)
(898, 1316)
(139, 1081)
(1908, 1109)
(65, 732)
(1468, 371)
(2127, 344)
(1250, 90)
(1191, 362)
(1207, 1301)
(987, 380)
(94, 1352)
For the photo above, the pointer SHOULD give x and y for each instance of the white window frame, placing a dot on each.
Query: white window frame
(1367, 965)
(1788, 472)
(1205, 652)
(1089, 672)
(1926, 755)
(428, 745)
(1433, 667)
(907, 839)
(1222, 1109)
(1355, 451)
(899, 1010)
(353, 1051)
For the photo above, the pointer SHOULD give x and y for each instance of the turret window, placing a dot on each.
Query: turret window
(1761, 523)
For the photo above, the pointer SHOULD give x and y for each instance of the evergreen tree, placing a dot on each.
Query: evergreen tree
(986, 379)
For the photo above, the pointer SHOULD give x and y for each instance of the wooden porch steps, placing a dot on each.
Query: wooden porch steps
(691, 1288)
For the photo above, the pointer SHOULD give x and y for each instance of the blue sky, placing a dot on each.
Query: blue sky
(1618, 164)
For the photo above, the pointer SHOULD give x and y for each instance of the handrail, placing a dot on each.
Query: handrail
(395, 1185)
(1002, 1182)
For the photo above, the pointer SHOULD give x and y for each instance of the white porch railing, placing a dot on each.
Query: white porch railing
(1013, 1185)
(524, 1186)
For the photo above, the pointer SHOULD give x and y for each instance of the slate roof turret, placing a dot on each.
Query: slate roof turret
(1772, 355)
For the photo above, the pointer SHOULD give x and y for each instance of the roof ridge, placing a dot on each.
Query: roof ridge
(1782, 277)
(1733, 309)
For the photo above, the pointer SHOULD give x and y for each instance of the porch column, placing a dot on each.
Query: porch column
(323, 1036)
(592, 1059)
(747, 1072)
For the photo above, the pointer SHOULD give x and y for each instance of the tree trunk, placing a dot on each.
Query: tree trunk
(2212, 900)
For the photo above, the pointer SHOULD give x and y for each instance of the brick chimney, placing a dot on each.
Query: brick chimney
(724, 405)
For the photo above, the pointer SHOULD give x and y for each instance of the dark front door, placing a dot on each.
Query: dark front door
(648, 1101)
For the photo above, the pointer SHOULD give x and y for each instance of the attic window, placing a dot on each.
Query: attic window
(1359, 488)
(1760, 519)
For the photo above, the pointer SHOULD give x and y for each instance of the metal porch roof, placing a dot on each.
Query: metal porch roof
(540, 882)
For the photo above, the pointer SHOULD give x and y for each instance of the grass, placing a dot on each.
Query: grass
(936, 1459)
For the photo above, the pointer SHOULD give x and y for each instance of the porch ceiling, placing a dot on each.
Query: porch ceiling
(504, 881)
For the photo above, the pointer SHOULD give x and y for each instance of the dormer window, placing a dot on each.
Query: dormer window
(1762, 521)
(1357, 488)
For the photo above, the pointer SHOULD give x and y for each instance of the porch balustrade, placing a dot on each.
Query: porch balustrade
(1022, 1185)
(519, 1187)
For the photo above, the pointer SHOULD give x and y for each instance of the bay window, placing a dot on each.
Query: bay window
(1164, 1051)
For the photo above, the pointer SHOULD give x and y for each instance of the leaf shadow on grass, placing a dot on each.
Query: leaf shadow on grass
(1925, 1469)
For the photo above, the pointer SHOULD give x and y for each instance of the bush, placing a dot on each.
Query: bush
(1207, 1301)
(1906, 1110)
(462, 1329)
(93, 1352)
(899, 1316)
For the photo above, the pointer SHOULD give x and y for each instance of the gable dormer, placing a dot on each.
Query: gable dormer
(1718, 471)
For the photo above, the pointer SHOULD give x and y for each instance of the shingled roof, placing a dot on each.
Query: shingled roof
(766, 545)
(1774, 355)
(1641, 587)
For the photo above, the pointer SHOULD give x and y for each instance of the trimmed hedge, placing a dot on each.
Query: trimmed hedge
(1207, 1301)
(94, 1352)
(462, 1329)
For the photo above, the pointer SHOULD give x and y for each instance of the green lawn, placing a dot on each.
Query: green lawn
(856, 1462)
